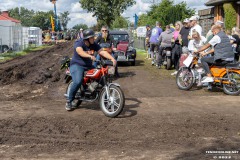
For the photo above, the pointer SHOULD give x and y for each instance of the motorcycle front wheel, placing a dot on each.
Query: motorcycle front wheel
(184, 78)
(113, 106)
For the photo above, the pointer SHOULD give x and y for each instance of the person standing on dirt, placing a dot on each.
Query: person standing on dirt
(82, 61)
(147, 43)
(154, 43)
(80, 34)
(105, 37)
(185, 32)
(194, 26)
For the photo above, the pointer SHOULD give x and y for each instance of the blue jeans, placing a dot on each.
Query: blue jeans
(77, 73)
(96, 63)
(98, 58)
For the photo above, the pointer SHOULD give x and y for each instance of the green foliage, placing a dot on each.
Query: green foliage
(230, 15)
(40, 19)
(106, 10)
(79, 26)
(22, 14)
(64, 19)
(166, 12)
(120, 22)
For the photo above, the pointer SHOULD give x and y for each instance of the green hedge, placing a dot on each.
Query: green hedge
(230, 16)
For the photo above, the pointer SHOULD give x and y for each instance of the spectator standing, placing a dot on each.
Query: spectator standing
(185, 32)
(80, 34)
(172, 27)
(195, 26)
(177, 49)
(148, 35)
(154, 43)
(236, 43)
(197, 42)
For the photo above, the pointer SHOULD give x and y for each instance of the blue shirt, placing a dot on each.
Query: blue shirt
(155, 34)
(82, 61)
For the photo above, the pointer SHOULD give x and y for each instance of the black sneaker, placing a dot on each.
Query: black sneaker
(68, 106)
(74, 105)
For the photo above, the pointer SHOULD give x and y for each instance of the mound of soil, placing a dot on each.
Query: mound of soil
(41, 67)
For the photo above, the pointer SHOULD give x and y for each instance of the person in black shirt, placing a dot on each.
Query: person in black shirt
(147, 43)
(105, 37)
(185, 32)
(82, 60)
(236, 42)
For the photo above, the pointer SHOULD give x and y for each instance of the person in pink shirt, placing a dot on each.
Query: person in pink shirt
(176, 51)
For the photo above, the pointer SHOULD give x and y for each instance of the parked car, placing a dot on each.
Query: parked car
(125, 51)
(4, 48)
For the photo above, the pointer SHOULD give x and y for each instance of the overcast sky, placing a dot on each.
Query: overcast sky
(78, 15)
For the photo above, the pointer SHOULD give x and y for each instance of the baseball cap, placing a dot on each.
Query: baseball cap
(81, 29)
(147, 25)
(218, 22)
(194, 18)
(186, 20)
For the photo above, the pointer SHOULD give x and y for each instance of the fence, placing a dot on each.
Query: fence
(17, 38)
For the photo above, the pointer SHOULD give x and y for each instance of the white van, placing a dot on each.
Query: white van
(141, 31)
(35, 35)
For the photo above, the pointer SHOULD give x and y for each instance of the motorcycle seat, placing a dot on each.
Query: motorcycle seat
(233, 65)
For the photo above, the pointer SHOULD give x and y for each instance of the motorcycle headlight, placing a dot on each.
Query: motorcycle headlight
(111, 70)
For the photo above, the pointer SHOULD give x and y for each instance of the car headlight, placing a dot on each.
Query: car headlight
(111, 70)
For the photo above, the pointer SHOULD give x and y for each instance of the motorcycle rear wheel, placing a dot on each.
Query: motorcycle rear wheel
(78, 102)
(169, 63)
(114, 106)
(234, 87)
(184, 78)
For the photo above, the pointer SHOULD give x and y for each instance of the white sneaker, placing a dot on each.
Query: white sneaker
(207, 80)
(174, 73)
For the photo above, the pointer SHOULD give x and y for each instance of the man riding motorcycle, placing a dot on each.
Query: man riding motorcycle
(105, 37)
(222, 51)
(81, 61)
(165, 41)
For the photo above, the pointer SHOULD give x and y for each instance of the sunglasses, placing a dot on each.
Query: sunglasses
(104, 30)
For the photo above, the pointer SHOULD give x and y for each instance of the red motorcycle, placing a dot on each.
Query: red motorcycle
(97, 85)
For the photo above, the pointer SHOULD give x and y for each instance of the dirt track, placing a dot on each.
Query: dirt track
(159, 121)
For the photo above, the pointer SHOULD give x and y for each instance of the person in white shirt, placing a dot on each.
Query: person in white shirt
(197, 41)
(222, 51)
(194, 26)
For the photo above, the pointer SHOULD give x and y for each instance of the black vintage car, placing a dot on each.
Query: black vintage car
(125, 52)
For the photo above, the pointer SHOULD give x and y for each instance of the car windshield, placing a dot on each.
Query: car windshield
(120, 37)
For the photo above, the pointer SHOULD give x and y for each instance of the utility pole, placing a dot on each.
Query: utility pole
(55, 12)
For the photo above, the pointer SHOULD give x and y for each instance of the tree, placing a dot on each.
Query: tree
(42, 19)
(64, 19)
(166, 12)
(23, 14)
(106, 10)
(120, 22)
(79, 26)
(230, 16)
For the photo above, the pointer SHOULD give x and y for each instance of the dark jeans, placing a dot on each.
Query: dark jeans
(206, 62)
(98, 57)
(153, 46)
(175, 60)
(159, 56)
(77, 73)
